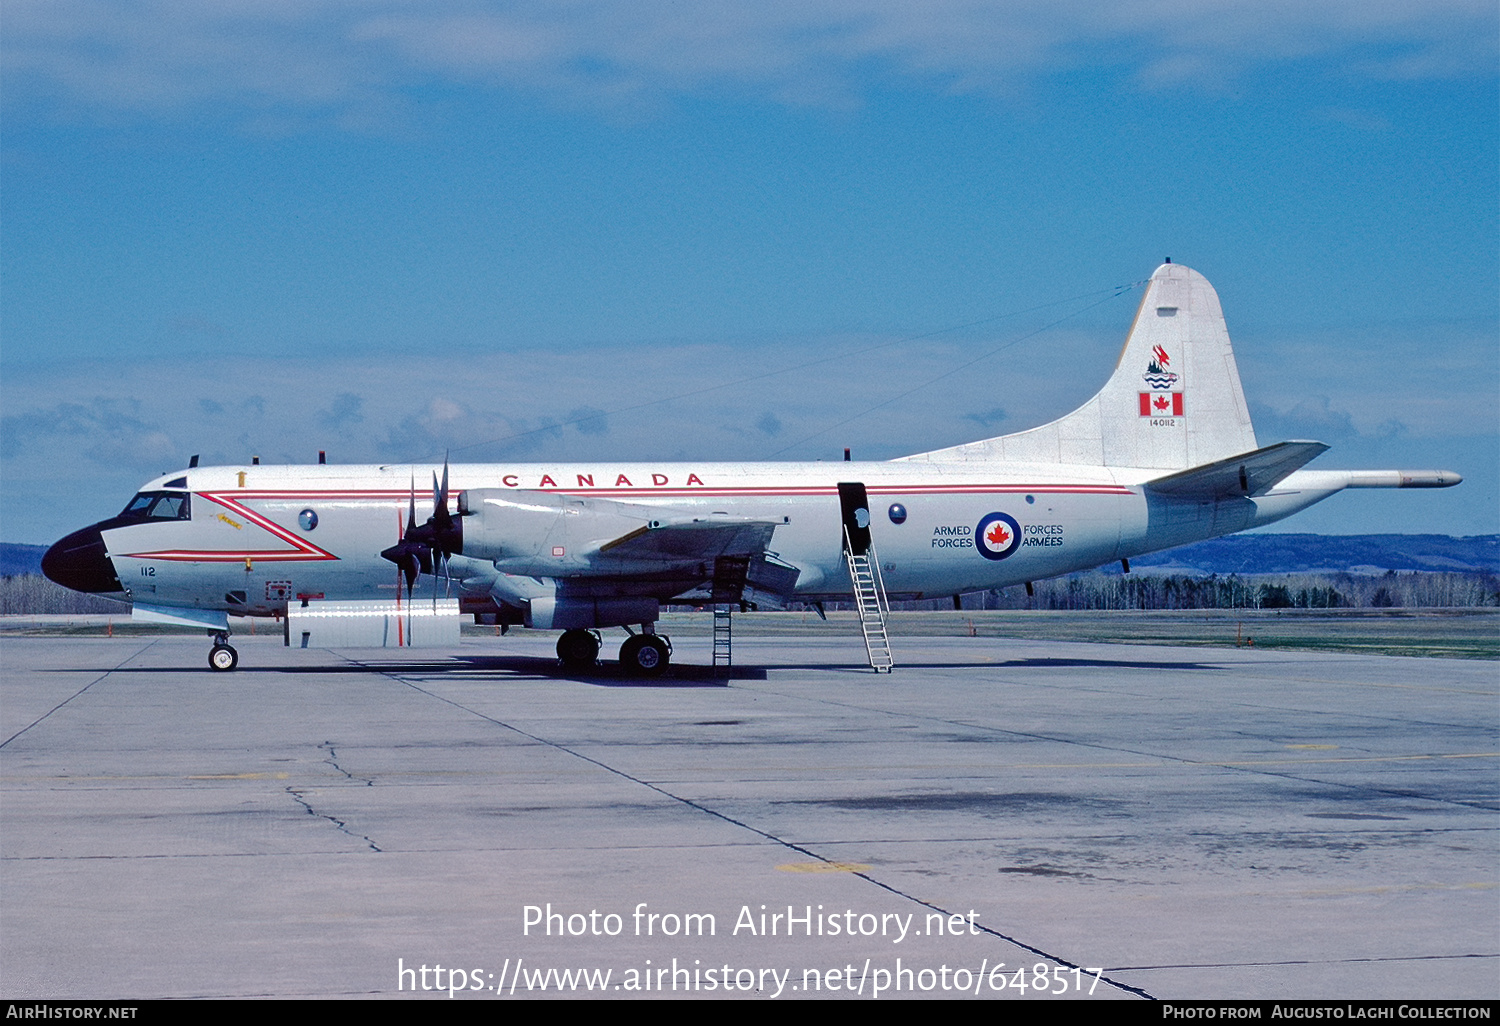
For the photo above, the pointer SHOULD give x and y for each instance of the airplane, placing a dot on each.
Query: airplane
(1163, 455)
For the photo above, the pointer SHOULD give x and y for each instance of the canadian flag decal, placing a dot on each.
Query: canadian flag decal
(1161, 404)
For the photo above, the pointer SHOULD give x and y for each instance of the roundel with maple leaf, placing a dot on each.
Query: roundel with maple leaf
(997, 536)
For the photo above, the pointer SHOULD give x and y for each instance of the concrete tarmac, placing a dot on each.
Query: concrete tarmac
(1100, 821)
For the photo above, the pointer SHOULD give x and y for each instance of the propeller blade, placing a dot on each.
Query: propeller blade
(426, 548)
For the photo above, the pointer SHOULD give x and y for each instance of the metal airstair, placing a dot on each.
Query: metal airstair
(870, 600)
(723, 649)
(731, 574)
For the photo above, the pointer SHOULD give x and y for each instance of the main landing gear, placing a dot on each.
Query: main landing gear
(222, 657)
(642, 655)
(578, 649)
(645, 655)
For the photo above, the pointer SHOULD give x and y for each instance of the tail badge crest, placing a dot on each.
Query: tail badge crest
(1162, 400)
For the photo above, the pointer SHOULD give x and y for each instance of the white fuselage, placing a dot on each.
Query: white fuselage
(250, 544)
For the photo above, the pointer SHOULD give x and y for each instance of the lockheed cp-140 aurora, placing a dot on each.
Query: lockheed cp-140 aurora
(1163, 455)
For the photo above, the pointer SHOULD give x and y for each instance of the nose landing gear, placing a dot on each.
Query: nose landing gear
(222, 657)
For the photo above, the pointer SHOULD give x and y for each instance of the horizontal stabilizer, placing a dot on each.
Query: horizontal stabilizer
(1250, 473)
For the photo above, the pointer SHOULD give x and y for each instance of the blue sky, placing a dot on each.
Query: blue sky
(386, 228)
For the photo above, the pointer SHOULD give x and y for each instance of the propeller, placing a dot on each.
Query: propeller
(423, 548)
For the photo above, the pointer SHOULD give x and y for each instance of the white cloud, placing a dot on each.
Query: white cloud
(1313, 417)
(1431, 376)
(352, 60)
(87, 434)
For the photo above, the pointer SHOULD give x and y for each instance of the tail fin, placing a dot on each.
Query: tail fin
(1173, 402)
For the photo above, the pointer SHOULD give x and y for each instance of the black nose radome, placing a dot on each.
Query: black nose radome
(81, 562)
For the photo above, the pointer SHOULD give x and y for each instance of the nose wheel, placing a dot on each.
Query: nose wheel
(222, 657)
(645, 655)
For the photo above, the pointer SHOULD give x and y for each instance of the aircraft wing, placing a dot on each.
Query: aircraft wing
(636, 548)
(695, 540)
(1251, 473)
(726, 559)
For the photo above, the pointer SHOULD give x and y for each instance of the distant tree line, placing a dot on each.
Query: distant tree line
(32, 594)
(1096, 590)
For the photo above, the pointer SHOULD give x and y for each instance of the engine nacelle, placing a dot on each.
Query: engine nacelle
(513, 529)
(569, 613)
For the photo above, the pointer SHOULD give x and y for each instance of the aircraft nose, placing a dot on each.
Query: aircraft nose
(81, 562)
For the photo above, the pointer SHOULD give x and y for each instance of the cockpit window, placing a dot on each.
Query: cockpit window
(170, 507)
(159, 506)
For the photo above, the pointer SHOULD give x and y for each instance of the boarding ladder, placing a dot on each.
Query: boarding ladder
(722, 648)
(731, 574)
(870, 600)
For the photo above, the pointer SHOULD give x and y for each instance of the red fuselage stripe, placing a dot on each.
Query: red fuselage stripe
(946, 489)
(305, 551)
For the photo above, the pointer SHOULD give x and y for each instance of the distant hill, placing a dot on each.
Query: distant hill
(20, 559)
(1301, 553)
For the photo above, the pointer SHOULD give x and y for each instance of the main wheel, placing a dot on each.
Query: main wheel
(578, 649)
(644, 655)
(223, 658)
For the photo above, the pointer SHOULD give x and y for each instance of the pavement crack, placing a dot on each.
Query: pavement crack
(75, 694)
(300, 797)
(333, 760)
(791, 845)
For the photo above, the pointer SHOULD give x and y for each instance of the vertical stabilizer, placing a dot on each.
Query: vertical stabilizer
(1173, 402)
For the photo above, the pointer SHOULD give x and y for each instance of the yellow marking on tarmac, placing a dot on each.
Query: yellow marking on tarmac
(824, 867)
